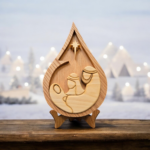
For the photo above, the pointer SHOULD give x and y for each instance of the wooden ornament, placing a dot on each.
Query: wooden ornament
(74, 85)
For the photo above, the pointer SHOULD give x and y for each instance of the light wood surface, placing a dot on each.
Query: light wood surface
(77, 100)
(73, 62)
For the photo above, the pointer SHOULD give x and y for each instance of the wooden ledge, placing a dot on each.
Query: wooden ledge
(44, 131)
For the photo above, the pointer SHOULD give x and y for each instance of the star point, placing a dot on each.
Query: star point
(75, 47)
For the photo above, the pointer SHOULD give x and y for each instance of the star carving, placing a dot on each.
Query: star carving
(75, 46)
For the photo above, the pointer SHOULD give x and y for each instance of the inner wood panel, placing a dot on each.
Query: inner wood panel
(74, 66)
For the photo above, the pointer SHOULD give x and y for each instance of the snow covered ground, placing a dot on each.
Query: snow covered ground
(109, 110)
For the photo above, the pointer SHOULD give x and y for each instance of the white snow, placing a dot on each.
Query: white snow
(108, 110)
(127, 90)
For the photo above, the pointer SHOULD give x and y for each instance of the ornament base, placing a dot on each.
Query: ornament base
(59, 120)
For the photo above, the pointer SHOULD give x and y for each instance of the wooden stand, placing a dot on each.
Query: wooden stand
(59, 120)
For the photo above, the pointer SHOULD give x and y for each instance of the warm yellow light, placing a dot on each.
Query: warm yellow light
(42, 58)
(145, 64)
(138, 68)
(26, 84)
(127, 84)
(41, 76)
(49, 64)
(105, 56)
(19, 57)
(52, 48)
(148, 74)
(8, 52)
(110, 43)
(37, 66)
(18, 68)
(121, 47)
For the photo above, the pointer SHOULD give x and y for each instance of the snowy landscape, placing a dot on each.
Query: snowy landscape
(128, 94)
(32, 33)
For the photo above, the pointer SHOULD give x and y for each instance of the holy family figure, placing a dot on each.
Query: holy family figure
(77, 99)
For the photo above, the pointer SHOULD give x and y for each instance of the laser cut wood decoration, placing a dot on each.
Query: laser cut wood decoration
(74, 85)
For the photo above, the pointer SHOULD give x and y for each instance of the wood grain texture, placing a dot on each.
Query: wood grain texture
(60, 99)
(90, 119)
(77, 100)
(59, 120)
(75, 46)
(74, 65)
(44, 131)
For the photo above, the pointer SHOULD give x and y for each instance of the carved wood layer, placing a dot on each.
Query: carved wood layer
(84, 58)
(77, 100)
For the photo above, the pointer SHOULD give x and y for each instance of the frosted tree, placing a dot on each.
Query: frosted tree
(142, 92)
(0, 53)
(31, 62)
(3, 69)
(15, 83)
(2, 88)
(137, 88)
(139, 92)
(31, 68)
(37, 82)
(115, 91)
(117, 95)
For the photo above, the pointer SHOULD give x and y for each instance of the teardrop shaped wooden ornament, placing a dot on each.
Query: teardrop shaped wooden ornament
(74, 85)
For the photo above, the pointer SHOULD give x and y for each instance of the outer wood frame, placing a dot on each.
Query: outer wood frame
(57, 63)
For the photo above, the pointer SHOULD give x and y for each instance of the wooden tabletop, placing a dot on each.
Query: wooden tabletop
(43, 130)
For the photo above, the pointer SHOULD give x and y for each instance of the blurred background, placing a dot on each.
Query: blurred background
(33, 32)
